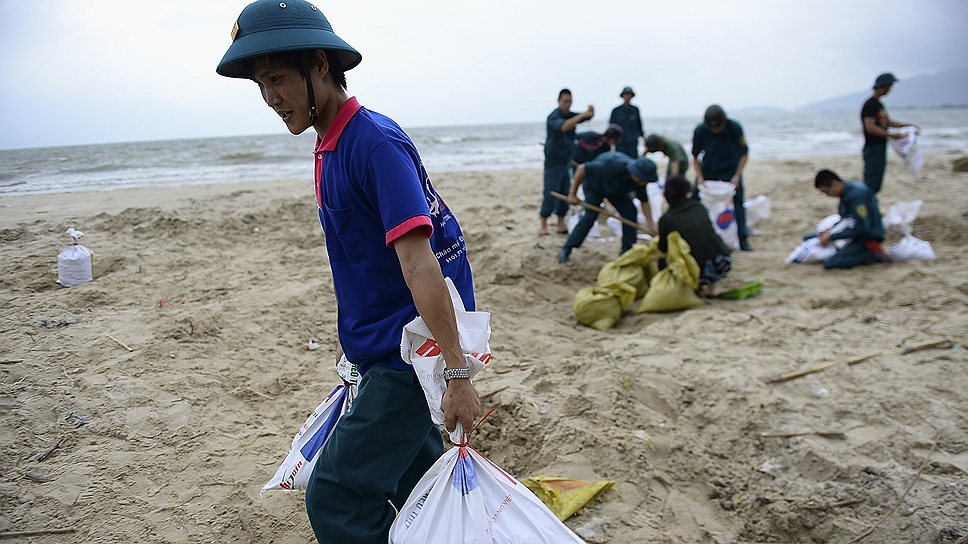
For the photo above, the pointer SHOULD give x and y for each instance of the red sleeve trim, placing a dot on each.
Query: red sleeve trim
(420, 221)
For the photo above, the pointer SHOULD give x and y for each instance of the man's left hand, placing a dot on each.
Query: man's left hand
(824, 238)
(735, 180)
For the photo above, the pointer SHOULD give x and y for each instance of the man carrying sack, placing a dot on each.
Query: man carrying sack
(391, 241)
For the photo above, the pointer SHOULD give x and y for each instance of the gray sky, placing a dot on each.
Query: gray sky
(91, 71)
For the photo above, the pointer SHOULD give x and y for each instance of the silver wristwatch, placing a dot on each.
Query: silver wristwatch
(457, 374)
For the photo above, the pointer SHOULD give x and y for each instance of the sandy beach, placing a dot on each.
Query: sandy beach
(216, 290)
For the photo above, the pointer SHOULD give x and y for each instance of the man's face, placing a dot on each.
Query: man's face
(284, 90)
(564, 103)
(637, 181)
(627, 98)
(835, 189)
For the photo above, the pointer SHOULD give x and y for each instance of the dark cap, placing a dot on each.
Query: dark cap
(625, 91)
(885, 79)
(268, 26)
(613, 131)
(715, 116)
(644, 169)
(653, 142)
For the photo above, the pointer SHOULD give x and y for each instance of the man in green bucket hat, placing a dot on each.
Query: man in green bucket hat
(391, 241)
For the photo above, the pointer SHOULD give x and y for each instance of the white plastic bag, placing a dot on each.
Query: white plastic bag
(419, 348)
(656, 200)
(594, 233)
(910, 248)
(907, 148)
(295, 470)
(717, 196)
(74, 263)
(810, 250)
(464, 498)
(901, 216)
(758, 209)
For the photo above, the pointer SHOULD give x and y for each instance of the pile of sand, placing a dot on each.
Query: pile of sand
(217, 290)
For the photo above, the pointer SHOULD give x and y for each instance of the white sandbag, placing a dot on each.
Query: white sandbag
(418, 347)
(810, 250)
(910, 248)
(758, 209)
(656, 200)
(464, 498)
(75, 262)
(901, 216)
(595, 233)
(295, 470)
(717, 196)
(907, 148)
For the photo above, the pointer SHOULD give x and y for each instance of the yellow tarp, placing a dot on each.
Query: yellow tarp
(564, 496)
(674, 288)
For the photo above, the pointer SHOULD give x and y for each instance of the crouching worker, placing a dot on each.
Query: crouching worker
(858, 202)
(391, 241)
(612, 176)
(690, 219)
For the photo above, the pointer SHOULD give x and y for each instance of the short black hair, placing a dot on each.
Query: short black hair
(677, 190)
(825, 178)
(299, 61)
(563, 92)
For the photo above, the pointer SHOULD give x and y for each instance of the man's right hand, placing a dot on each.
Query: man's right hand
(573, 199)
(590, 112)
(460, 403)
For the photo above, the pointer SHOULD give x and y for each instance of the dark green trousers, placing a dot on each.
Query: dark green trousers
(378, 452)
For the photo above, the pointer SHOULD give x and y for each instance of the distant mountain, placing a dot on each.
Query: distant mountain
(946, 89)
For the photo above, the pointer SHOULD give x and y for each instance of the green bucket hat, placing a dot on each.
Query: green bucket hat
(271, 26)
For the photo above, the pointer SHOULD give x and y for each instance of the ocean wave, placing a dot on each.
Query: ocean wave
(95, 169)
(13, 183)
(244, 157)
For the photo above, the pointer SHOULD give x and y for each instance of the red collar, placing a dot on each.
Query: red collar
(343, 116)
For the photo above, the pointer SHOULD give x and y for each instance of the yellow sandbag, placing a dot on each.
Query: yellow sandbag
(631, 267)
(564, 497)
(602, 307)
(674, 288)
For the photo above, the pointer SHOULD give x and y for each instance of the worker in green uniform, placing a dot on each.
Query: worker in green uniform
(858, 202)
(678, 159)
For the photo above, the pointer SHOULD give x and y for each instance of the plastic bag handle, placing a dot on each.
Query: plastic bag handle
(467, 436)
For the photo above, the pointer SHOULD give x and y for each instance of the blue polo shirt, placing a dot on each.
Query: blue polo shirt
(559, 146)
(609, 173)
(720, 152)
(371, 189)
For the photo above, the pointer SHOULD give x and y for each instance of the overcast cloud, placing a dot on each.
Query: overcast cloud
(96, 71)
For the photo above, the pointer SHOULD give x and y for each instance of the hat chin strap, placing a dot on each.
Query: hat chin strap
(313, 114)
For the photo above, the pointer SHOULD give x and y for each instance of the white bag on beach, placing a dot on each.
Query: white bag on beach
(74, 263)
(907, 148)
(810, 250)
(656, 200)
(901, 216)
(594, 233)
(464, 498)
(298, 465)
(910, 248)
(419, 348)
(758, 209)
(717, 196)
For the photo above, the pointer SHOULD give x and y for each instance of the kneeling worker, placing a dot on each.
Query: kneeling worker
(690, 219)
(612, 176)
(858, 202)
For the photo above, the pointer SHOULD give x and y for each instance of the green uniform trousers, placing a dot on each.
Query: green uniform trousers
(378, 452)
